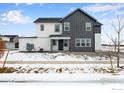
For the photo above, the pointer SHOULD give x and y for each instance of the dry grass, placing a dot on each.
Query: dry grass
(7, 70)
(2, 47)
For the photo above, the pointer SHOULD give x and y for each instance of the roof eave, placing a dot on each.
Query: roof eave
(78, 10)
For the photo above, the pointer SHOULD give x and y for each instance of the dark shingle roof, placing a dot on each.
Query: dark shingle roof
(82, 11)
(55, 35)
(9, 35)
(98, 23)
(47, 20)
(39, 20)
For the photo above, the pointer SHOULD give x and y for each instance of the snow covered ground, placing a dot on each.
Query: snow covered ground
(19, 56)
(103, 78)
(70, 73)
(60, 72)
(64, 68)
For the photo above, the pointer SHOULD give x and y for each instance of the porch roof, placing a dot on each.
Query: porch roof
(60, 37)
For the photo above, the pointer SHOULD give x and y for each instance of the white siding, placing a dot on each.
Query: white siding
(44, 43)
(5, 38)
(55, 47)
(23, 42)
(10, 45)
(66, 48)
(38, 43)
(97, 41)
(49, 29)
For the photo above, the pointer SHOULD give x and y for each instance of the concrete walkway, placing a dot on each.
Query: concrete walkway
(60, 62)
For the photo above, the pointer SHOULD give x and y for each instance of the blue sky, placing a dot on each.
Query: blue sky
(18, 18)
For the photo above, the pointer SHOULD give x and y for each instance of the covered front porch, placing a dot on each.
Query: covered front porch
(60, 43)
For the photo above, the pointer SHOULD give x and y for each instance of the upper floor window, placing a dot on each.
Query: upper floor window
(83, 42)
(88, 26)
(66, 26)
(57, 27)
(42, 27)
(11, 39)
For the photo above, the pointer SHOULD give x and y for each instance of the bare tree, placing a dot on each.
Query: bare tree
(114, 41)
(110, 53)
(2, 51)
(2, 45)
(118, 28)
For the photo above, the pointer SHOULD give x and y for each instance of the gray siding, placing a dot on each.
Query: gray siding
(77, 30)
(98, 29)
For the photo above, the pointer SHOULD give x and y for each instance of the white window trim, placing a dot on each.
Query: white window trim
(66, 42)
(55, 28)
(80, 42)
(86, 26)
(67, 26)
(43, 27)
(54, 42)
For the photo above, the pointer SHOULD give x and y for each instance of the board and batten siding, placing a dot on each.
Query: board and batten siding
(77, 30)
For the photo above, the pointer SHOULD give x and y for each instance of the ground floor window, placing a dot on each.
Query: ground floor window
(30, 47)
(83, 42)
(17, 45)
(54, 42)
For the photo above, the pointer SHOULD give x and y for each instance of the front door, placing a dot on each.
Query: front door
(60, 44)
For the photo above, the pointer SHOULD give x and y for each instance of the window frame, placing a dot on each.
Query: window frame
(11, 39)
(88, 42)
(56, 28)
(87, 25)
(54, 42)
(29, 46)
(85, 42)
(41, 27)
(66, 25)
(65, 43)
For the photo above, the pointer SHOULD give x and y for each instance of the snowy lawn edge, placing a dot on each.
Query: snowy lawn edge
(61, 77)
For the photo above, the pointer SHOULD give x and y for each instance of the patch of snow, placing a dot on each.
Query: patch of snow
(68, 72)
(19, 56)
(62, 77)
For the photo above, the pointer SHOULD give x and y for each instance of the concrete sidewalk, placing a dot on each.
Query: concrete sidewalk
(60, 62)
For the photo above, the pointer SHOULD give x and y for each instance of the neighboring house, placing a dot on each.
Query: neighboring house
(11, 41)
(78, 31)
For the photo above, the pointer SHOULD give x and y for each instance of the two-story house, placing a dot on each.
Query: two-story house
(11, 41)
(78, 31)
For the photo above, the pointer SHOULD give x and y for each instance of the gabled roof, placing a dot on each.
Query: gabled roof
(39, 20)
(47, 20)
(98, 23)
(82, 11)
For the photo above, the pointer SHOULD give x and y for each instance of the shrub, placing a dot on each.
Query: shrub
(7, 70)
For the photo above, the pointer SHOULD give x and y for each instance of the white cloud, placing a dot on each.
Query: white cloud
(5, 24)
(15, 16)
(41, 4)
(17, 4)
(29, 3)
(72, 9)
(103, 7)
(104, 14)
